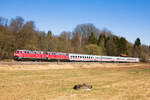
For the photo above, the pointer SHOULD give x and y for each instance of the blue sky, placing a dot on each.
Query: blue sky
(127, 18)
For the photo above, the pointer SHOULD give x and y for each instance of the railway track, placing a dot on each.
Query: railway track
(44, 63)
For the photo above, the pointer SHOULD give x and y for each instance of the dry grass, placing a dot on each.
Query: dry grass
(56, 84)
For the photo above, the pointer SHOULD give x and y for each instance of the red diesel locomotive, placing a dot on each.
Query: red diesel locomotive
(39, 55)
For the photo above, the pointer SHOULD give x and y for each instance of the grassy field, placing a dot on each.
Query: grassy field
(57, 84)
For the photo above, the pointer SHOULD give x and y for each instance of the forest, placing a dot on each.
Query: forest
(17, 33)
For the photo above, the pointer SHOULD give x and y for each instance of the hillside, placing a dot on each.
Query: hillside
(85, 38)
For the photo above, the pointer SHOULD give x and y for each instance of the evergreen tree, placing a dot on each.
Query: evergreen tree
(123, 46)
(116, 43)
(137, 48)
(92, 39)
(49, 34)
(137, 43)
(101, 42)
(111, 46)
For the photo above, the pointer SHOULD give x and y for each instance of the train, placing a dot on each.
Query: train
(20, 55)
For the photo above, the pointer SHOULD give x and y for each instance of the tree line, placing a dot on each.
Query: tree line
(85, 38)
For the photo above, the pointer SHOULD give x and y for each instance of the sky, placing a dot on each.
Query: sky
(127, 18)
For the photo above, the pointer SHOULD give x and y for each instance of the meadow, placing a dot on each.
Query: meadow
(57, 84)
